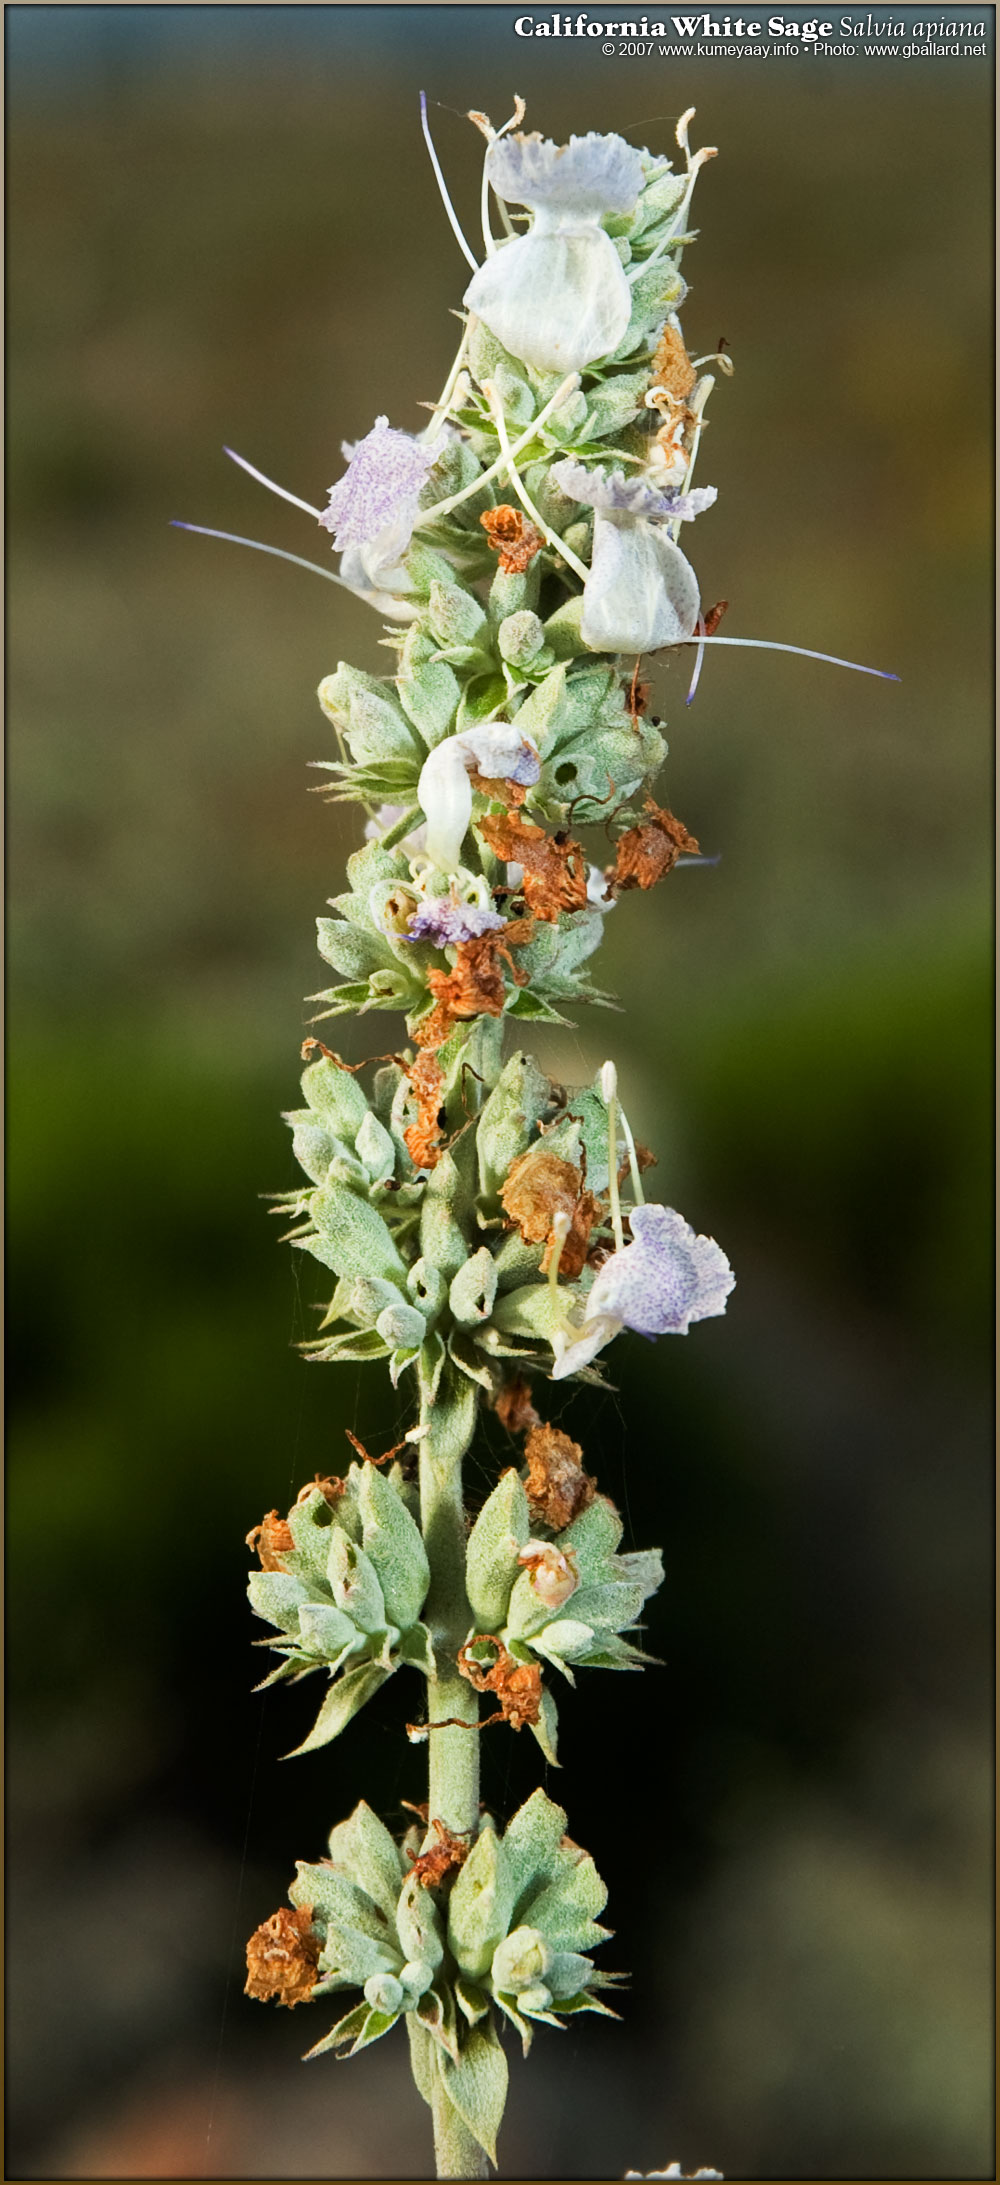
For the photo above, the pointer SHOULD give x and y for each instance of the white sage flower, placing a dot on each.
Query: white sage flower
(497, 751)
(659, 1284)
(558, 297)
(641, 591)
(373, 507)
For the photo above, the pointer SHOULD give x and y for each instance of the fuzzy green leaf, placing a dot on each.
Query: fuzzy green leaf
(343, 1701)
(501, 1530)
(395, 1548)
(477, 2085)
(363, 1847)
(480, 1905)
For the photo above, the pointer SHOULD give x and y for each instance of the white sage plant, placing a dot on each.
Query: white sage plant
(486, 1228)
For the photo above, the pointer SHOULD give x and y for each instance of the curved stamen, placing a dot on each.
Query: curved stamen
(259, 547)
(270, 484)
(696, 677)
(443, 187)
(771, 644)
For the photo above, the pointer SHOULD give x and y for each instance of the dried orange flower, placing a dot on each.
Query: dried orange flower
(271, 1538)
(423, 1138)
(517, 1685)
(475, 987)
(541, 1185)
(672, 367)
(449, 1852)
(555, 870)
(331, 1486)
(557, 1486)
(516, 541)
(514, 1408)
(648, 851)
(282, 1957)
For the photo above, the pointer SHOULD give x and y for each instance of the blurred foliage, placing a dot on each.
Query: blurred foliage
(202, 254)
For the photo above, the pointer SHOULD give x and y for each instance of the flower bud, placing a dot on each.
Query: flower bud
(520, 1960)
(384, 1993)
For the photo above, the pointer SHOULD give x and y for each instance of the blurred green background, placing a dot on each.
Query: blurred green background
(223, 228)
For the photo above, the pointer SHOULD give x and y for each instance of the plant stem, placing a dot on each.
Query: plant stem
(449, 1410)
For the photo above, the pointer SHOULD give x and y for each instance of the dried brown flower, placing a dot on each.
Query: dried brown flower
(282, 1957)
(713, 616)
(271, 1539)
(514, 1408)
(516, 541)
(475, 986)
(672, 367)
(517, 1685)
(449, 1852)
(423, 1138)
(557, 1486)
(554, 867)
(648, 851)
(541, 1185)
(331, 1486)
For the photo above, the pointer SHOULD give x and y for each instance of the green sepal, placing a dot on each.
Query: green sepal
(416, 1650)
(446, 1221)
(474, 1289)
(363, 1847)
(533, 1844)
(345, 2030)
(277, 1597)
(352, 1237)
(436, 2011)
(296, 1665)
(568, 1906)
(422, 2060)
(477, 2085)
(368, 716)
(532, 1008)
(429, 690)
(418, 1924)
(354, 1583)
(335, 1096)
(546, 1729)
(472, 2001)
(483, 697)
(344, 1700)
(365, 1346)
(593, 1538)
(501, 1530)
(464, 1354)
(507, 1122)
(517, 1262)
(480, 1905)
(395, 1548)
(328, 1633)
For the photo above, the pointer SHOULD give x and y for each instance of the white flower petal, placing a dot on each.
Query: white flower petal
(444, 793)
(641, 591)
(572, 1353)
(588, 176)
(666, 1279)
(557, 300)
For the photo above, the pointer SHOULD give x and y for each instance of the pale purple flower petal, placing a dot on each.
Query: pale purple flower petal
(667, 1278)
(446, 920)
(588, 176)
(631, 496)
(378, 495)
